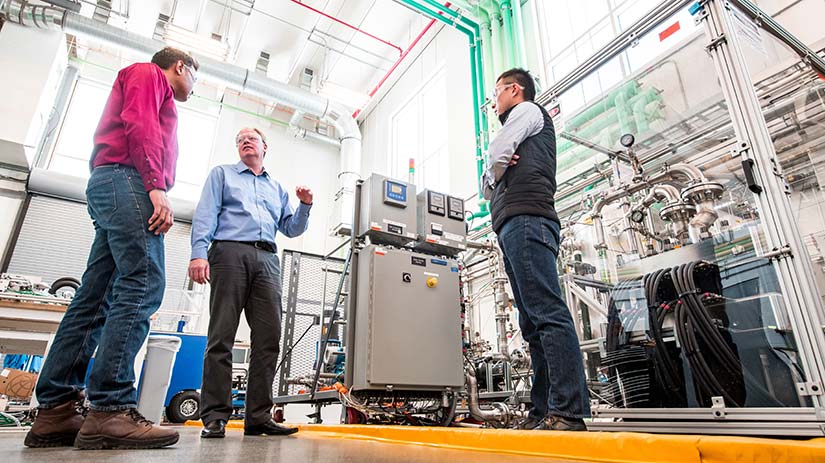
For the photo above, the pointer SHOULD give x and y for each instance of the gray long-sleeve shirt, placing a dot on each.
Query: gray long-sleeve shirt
(524, 121)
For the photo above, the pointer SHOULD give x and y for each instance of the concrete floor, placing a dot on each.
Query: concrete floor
(301, 447)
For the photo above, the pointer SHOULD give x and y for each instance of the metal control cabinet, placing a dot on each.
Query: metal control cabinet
(407, 322)
(441, 227)
(388, 211)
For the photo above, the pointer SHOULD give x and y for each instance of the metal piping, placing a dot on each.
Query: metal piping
(666, 192)
(500, 413)
(691, 173)
(233, 76)
(304, 134)
(296, 118)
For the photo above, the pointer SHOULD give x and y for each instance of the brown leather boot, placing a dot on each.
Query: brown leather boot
(56, 427)
(124, 429)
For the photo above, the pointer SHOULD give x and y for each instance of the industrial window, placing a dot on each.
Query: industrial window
(75, 140)
(419, 132)
(595, 25)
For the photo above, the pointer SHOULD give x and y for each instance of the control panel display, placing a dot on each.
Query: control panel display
(455, 208)
(395, 193)
(435, 203)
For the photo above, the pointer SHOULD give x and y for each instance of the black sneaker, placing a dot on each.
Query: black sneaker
(214, 429)
(269, 428)
(560, 423)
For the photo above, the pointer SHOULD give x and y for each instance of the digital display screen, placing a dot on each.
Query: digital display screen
(395, 193)
(455, 208)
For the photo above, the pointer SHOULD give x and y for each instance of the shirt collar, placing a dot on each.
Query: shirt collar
(240, 167)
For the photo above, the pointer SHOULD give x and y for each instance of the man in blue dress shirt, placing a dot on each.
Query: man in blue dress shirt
(241, 209)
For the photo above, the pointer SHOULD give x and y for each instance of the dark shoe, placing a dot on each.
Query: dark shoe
(58, 426)
(214, 429)
(269, 428)
(531, 422)
(124, 429)
(560, 423)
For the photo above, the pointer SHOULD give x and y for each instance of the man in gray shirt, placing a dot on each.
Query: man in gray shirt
(520, 182)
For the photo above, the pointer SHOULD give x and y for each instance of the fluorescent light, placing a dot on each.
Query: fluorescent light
(192, 42)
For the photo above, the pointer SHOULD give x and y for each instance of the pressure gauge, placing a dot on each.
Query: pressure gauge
(637, 216)
(627, 140)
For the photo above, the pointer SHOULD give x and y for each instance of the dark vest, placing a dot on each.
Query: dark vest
(528, 187)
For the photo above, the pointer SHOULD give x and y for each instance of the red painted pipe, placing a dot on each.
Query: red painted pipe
(346, 24)
(401, 58)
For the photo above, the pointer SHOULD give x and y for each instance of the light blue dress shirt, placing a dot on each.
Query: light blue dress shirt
(237, 205)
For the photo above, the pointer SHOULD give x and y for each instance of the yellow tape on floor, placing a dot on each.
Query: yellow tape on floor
(597, 447)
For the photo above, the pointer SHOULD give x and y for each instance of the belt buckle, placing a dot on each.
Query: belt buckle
(258, 245)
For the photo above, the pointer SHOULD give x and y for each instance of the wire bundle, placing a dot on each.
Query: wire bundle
(668, 370)
(714, 364)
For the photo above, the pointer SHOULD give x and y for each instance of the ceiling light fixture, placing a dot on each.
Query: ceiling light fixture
(192, 42)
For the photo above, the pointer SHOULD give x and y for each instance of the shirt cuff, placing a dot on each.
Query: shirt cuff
(303, 209)
(153, 180)
(199, 252)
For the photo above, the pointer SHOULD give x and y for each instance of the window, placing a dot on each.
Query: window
(75, 140)
(198, 130)
(420, 134)
(596, 24)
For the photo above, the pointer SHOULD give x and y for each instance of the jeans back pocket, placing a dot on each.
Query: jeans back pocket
(101, 200)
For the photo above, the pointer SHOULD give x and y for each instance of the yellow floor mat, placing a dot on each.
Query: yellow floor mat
(601, 447)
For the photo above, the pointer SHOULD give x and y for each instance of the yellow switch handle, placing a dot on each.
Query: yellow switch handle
(432, 282)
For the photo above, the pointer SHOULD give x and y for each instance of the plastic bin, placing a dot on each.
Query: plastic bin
(157, 372)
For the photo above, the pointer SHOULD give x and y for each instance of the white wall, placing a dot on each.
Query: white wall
(799, 17)
(448, 49)
(37, 58)
(291, 162)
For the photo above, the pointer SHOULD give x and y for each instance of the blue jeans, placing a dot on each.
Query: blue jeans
(121, 288)
(530, 245)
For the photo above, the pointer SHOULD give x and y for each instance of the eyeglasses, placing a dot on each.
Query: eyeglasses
(498, 89)
(243, 138)
(191, 73)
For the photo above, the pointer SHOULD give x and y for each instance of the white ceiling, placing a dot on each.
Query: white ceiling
(293, 35)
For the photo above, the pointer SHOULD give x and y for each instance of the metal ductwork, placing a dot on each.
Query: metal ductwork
(232, 76)
(68, 187)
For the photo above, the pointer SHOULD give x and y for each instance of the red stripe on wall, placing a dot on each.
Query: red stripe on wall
(669, 31)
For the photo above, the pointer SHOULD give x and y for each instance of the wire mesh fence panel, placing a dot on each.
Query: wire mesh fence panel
(309, 285)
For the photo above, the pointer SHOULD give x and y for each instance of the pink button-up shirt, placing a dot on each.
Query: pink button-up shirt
(139, 126)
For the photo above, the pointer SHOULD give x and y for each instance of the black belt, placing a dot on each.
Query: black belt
(262, 245)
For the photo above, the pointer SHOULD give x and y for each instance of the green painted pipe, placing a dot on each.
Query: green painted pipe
(486, 44)
(507, 32)
(479, 215)
(605, 103)
(499, 62)
(519, 34)
(625, 114)
(644, 108)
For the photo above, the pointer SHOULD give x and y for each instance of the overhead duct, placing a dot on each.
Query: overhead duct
(63, 186)
(232, 76)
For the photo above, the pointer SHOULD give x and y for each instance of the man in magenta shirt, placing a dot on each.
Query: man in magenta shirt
(133, 166)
